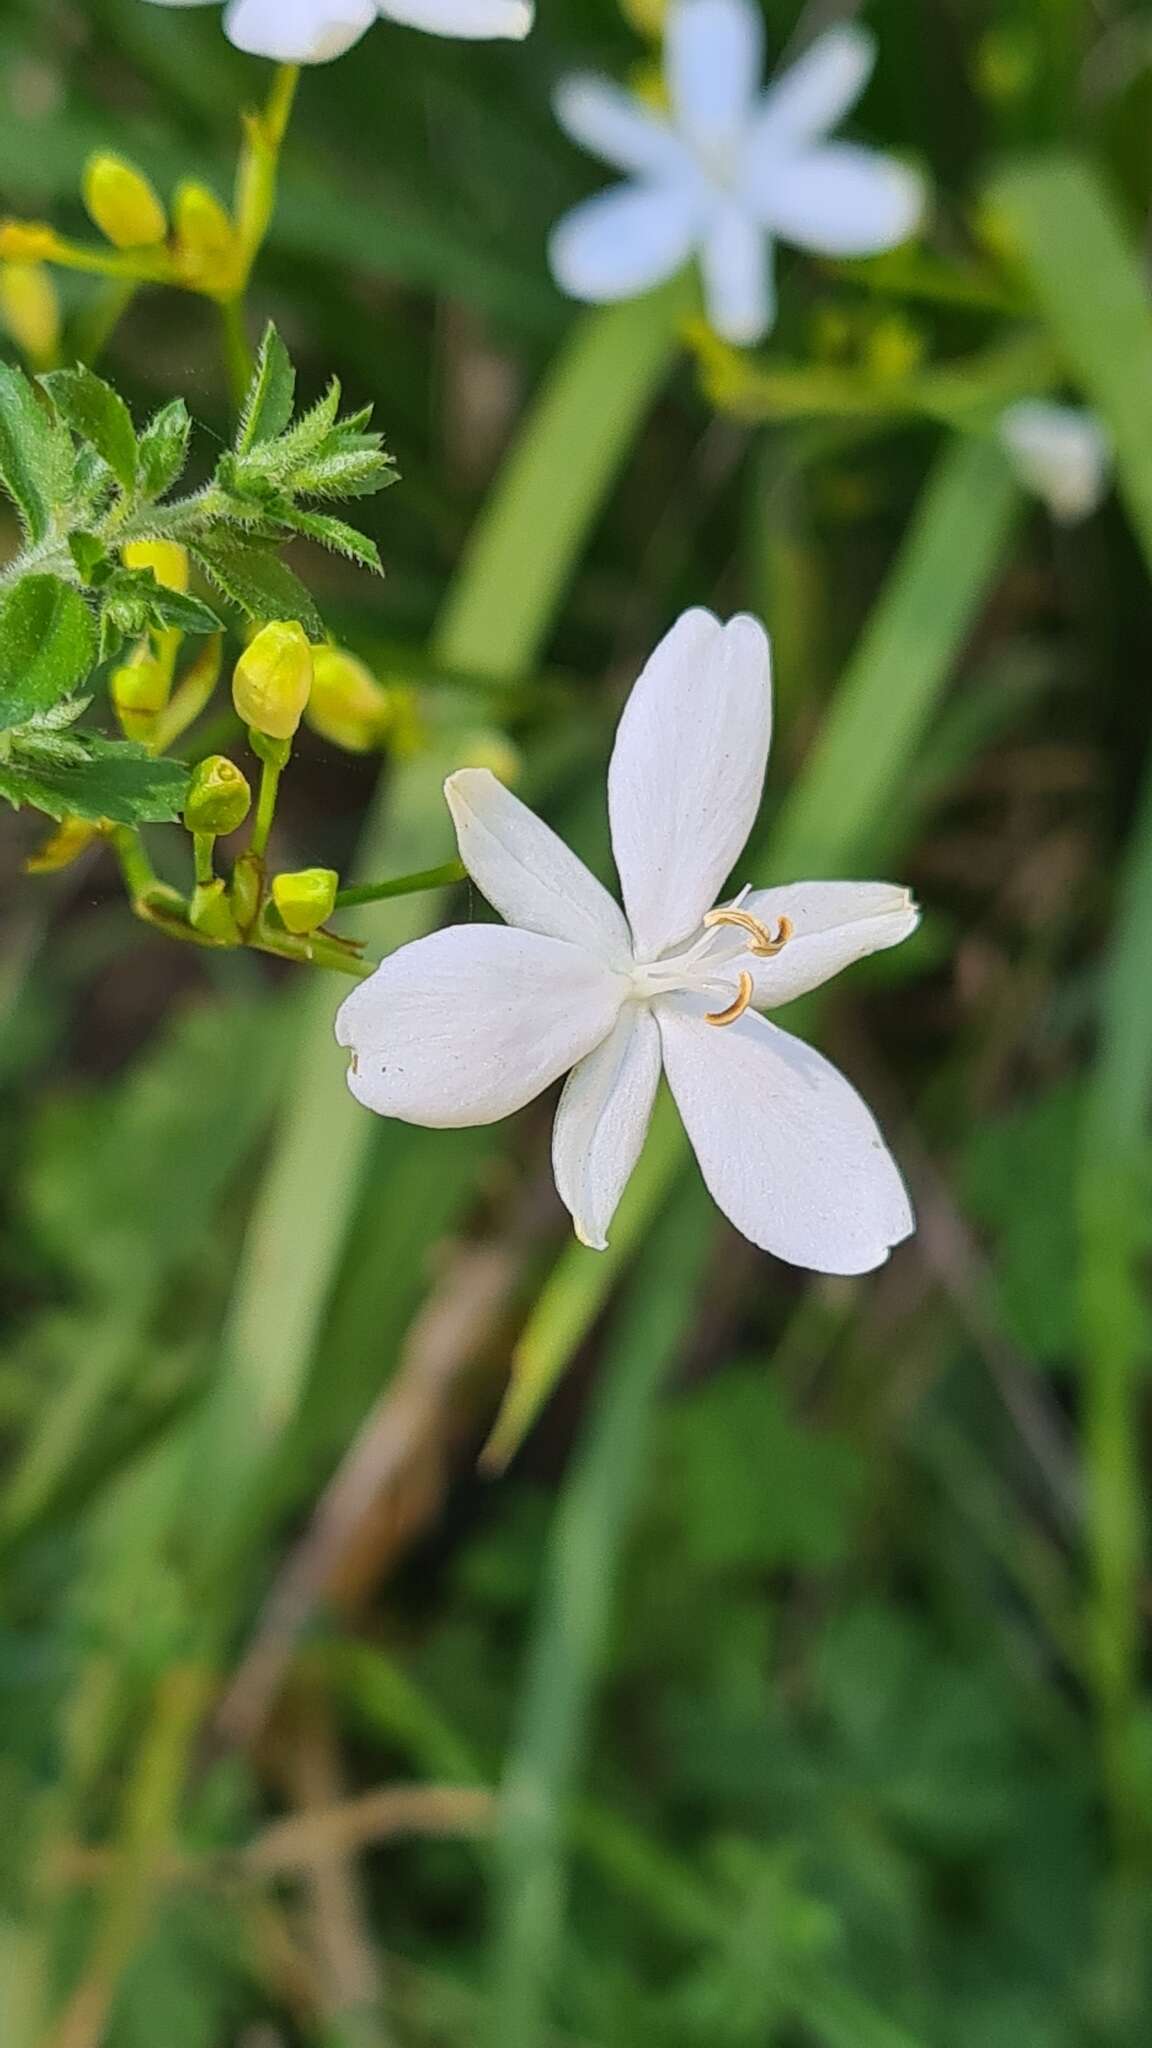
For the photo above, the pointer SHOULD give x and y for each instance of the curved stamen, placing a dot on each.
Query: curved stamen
(763, 944)
(735, 1009)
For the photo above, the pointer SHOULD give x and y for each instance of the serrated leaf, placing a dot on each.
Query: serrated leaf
(36, 458)
(180, 609)
(339, 536)
(89, 555)
(47, 646)
(118, 781)
(258, 583)
(268, 406)
(164, 448)
(99, 416)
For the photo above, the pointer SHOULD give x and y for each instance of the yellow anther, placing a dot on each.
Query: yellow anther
(763, 944)
(735, 1009)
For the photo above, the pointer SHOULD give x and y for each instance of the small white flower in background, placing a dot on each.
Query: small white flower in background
(312, 31)
(468, 1025)
(730, 170)
(1061, 452)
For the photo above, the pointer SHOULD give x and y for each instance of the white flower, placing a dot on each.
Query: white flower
(312, 31)
(1061, 452)
(468, 1025)
(730, 171)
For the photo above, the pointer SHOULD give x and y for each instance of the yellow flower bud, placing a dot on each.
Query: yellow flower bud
(895, 349)
(167, 560)
(27, 241)
(207, 245)
(306, 899)
(122, 203)
(273, 680)
(219, 797)
(139, 689)
(347, 706)
(30, 310)
(70, 839)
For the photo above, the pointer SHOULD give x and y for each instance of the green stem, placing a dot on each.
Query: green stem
(135, 866)
(271, 769)
(203, 848)
(443, 877)
(258, 174)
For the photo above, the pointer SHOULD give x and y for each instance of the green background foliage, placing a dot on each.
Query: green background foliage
(780, 1681)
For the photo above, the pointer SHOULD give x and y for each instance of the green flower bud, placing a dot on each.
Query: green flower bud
(219, 798)
(123, 204)
(208, 248)
(347, 706)
(306, 899)
(273, 680)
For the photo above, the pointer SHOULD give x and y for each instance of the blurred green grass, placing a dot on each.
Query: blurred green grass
(807, 1631)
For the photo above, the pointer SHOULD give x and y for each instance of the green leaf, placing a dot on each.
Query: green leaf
(99, 416)
(47, 645)
(257, 583)
(117, 781)
(90, 557)
(337, 535)
(164, 448)
(180, 609)
(36, 458)
(268, 406)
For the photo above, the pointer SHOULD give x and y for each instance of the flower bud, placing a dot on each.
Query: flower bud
(167, 560)
(347, 706)
(139, 689)
(123, 204)
(307, 899)
(30, 310)
(218, 799)
(207, 245)
(273, 680)
(27, 241)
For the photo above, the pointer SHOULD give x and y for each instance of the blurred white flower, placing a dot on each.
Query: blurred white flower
(312, 31)
(1061, 452)
(468, 1025)
(730, 170)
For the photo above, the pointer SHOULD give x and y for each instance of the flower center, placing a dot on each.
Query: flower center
(700, 968)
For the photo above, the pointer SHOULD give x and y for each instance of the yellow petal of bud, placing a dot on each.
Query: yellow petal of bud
(30, 310)
(27, 241)
(167, 560)
(207, 245)
(219, 797)
(273, 680)
(306, 899)
(70, 839)
(139, 689)
(347, 706)
(122, 203)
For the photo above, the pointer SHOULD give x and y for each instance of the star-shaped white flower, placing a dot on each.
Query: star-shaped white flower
(312, 31)
(730, 170)
(1061, 452)
(468, 1025)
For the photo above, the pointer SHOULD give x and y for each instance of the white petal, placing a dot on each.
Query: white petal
(787, 1149)
(736, 261)
(1061, 453)
(298, 31)
(624, 241)
(469, 1024)
(815, 93)
(602, 1120)
(471, 20)
(687, 772)
(526, 871)
(613, 125)
(840, 200)
(833, 924)
(713, 59)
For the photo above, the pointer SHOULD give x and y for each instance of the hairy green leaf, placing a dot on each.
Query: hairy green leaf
(36, 458)
(47, 645)
(164, 448)
(99, 416)
(257, 583)
(117, 780)
(268, 407)
(339, 536)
